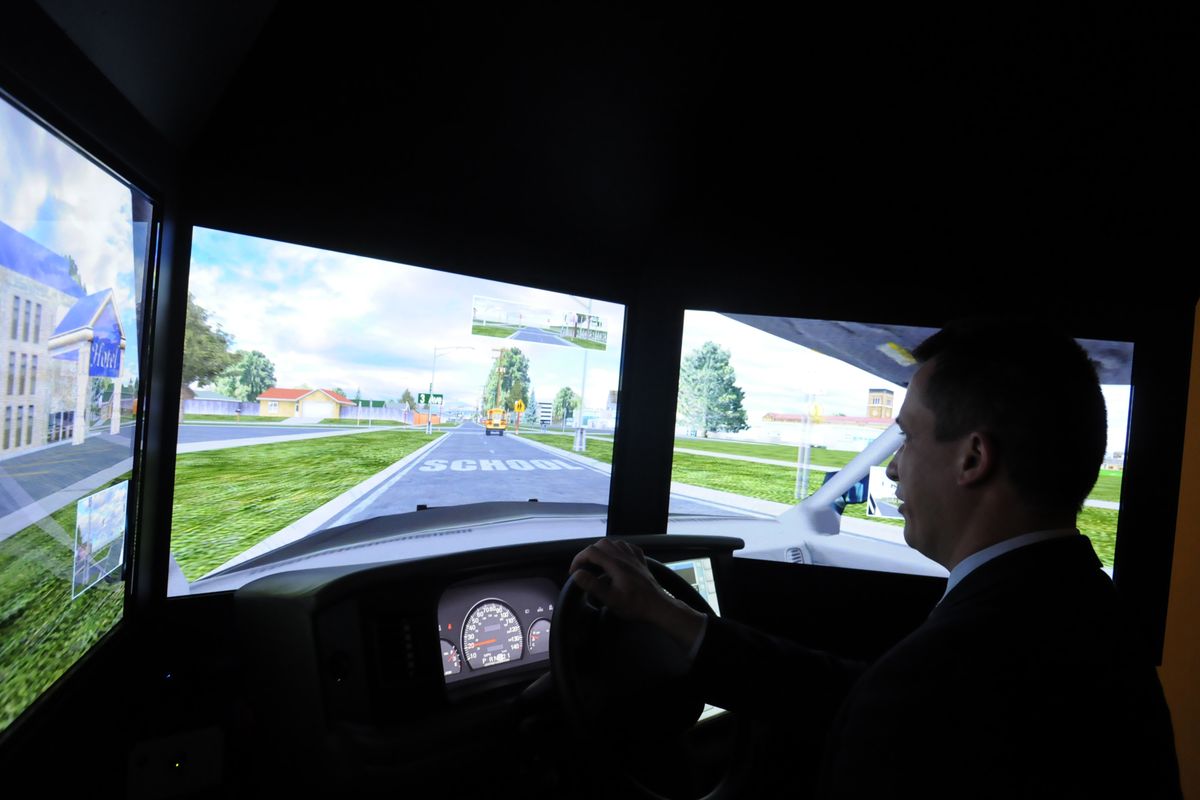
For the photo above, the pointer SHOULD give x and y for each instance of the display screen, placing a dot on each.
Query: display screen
(74, 249)
(770, 408)
(329, 398)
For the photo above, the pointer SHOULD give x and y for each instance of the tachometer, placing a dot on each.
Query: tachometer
(491, 635)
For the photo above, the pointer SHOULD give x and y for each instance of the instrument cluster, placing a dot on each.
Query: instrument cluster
(496, 625)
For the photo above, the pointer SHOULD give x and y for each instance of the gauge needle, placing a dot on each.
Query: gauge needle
(485, 641)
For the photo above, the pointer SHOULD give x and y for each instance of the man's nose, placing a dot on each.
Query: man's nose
(891, 472)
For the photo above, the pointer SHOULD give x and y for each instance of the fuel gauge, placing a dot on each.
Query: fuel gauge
(539, 637)
(451, 663)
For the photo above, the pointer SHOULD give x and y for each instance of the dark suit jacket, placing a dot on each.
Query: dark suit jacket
(1025, 681)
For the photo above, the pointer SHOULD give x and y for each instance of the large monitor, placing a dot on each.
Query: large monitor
(775, 410)
(75, 249)
(345, 410)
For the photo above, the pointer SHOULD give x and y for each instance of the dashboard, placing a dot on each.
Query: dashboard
(491, 626)
(365, 676)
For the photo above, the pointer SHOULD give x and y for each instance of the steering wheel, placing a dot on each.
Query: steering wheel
(624, 686)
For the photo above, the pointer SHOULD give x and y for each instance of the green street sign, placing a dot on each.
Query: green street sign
(425, 398)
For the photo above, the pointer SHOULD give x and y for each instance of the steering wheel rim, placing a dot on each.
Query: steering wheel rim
(576, 619)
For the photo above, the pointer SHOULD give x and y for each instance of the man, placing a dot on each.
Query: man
(1026, 680)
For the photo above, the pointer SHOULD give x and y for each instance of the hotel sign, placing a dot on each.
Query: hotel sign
(106, 358)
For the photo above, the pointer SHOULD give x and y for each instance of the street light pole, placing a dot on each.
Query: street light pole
(429, 397)
(580, 433)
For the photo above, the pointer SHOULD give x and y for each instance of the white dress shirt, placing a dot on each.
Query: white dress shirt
(972, 562)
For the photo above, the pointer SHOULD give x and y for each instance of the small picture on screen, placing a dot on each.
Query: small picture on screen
(521, 322)
(99, 537)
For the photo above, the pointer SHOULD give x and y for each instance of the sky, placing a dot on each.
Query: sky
(781, 376)
(60, 199)
(328, 319)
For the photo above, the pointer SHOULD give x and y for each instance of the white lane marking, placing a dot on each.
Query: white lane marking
(496, 465)
(373, 496)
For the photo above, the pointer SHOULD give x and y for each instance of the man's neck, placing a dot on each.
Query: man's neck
(990, 523)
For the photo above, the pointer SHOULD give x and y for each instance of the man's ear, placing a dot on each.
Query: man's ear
(976, 459)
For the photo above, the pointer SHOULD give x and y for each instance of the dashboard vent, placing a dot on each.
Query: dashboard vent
(796, 555)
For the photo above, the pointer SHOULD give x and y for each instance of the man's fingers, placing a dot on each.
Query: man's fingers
(592, 584)
(596, 555)
(584, 556)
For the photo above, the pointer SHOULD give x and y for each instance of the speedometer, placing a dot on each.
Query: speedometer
(491, 635)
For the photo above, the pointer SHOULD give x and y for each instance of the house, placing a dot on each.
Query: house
(311, 403)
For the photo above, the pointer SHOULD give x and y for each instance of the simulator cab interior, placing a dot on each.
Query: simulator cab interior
(678, 262)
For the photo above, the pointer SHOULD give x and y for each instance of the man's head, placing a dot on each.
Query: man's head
(1002, 418)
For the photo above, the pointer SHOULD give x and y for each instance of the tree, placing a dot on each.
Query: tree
(408, 400)
(513, 370)
(564, 402)
(205, 347)
(248, 377)
(73, 271)
(708, 398)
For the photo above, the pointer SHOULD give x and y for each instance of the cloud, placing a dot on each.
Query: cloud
(781, 376)
(327, 318)
(69, 205)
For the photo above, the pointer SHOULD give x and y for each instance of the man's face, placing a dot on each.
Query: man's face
(925, 471)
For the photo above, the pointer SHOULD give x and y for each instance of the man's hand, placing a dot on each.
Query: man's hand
(630, 591)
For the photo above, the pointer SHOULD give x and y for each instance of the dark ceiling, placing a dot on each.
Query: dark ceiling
(921, 164)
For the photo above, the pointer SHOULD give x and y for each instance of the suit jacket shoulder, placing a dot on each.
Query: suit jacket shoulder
(1024, 681)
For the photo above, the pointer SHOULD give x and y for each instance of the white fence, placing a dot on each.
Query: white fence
(220, 407)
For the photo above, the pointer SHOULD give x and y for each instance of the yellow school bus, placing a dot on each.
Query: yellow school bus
(494, 421)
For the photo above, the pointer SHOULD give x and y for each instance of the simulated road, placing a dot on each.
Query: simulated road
(541, 337)
(192, 434)
(467, 466)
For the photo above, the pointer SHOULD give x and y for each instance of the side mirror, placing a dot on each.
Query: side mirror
(856, 495)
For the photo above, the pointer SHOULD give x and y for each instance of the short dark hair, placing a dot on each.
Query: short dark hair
(1034, 390)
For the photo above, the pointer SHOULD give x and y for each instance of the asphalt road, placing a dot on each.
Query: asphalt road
(468, 466)
(541, 337)
(191, 434)
(39, 474)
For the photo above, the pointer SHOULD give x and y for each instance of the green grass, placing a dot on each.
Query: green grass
(1100, 525)
(599, 449)
(780, 452)
(42, 630)
(502, 331)
(764, 481)
(777, 483)
(230, 418)
(587, 344)
(361, 423)
(1108, 486)
(227, 501)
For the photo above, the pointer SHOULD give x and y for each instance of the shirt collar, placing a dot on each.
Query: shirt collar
(972, 562)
